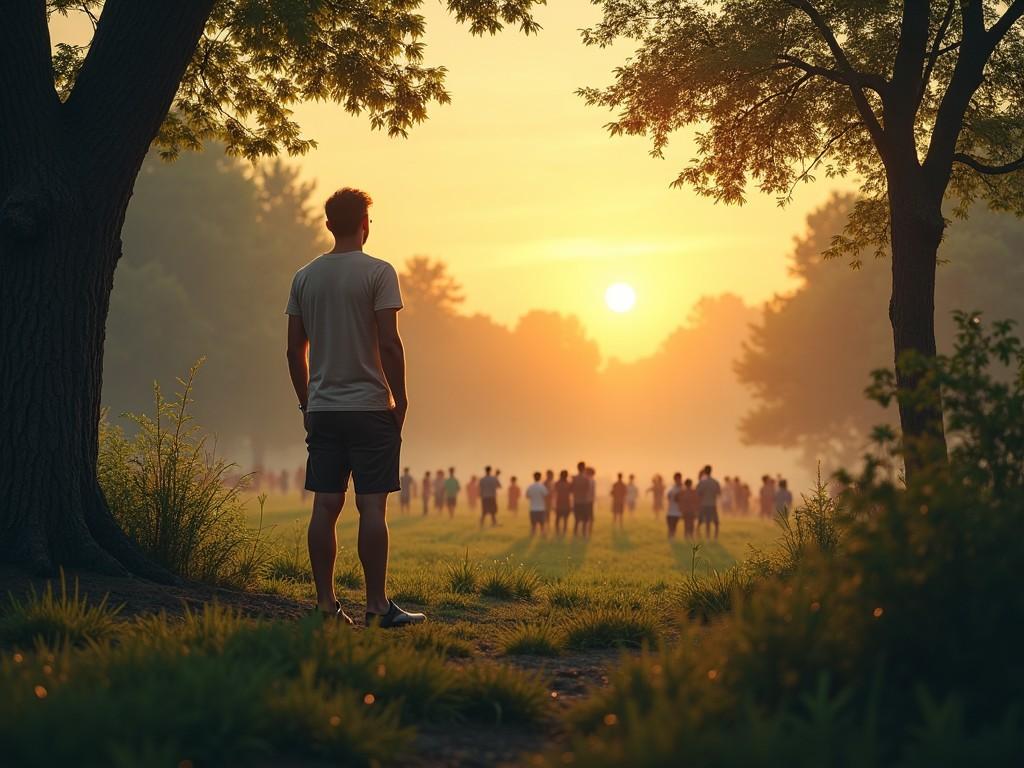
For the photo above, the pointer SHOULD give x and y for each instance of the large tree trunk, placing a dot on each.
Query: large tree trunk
(66, 175)
(917, 228)
(53, 307)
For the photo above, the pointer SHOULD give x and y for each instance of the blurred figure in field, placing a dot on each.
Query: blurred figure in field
(675, 510)
(767, 497)
(563, 502)
(300, 482)
(451, 492)
(708, 491)
(657, 491)
(489, 485)
(580, 488)
(427, 489)
(591, 500)
(473, 492)
(514, 493)
(408, 487)
(618, 502)
(783, 498)
(741, 494)
(689, 505)
(439, 490)
(727, 496)
(283, 481)
(549, 500)
(632, 493)
(537, 496)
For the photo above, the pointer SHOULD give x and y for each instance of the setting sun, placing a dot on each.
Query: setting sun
(620, 297)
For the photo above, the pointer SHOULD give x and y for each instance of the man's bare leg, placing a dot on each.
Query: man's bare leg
(373, 549)
(323, 546)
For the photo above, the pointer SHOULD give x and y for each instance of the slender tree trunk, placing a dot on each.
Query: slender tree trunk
(917, 228)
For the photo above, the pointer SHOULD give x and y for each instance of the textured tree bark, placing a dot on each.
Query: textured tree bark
(66, 175)
(917, 228)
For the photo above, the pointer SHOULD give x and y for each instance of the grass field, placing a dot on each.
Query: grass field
(637, 558)
(521, 633)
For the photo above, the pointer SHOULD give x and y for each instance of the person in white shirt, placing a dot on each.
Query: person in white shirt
(632, 494)
(708, 491)
(347, 366)
(675, 511)
(537, 496)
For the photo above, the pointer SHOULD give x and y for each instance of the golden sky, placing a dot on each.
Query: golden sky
(518, 187)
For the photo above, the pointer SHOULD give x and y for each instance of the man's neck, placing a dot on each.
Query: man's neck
(348, 245)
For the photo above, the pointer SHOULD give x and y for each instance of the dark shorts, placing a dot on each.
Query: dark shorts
(562, 512)
(489, 507)
(362, 444)
(583, 511)
(708, 515)
(618, 507)
(538, 516)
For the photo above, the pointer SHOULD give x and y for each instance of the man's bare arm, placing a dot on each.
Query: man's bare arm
(392, 360)
(298, 363)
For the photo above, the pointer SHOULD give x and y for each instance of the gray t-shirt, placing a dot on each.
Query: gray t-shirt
(336, 296)
(708, 491)
(489, 486)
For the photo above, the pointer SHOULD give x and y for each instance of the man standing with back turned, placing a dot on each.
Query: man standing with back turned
(343, 308)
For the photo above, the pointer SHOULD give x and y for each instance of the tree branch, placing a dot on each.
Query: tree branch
(128, 82)
(936, 50)
(988, 170)
(873, 81)
(853, 76)
(29, 104)
(1007, 20)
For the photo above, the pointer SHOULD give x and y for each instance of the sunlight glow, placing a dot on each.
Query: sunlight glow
(620, 297)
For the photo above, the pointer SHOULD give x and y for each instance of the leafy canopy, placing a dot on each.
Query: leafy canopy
(780, 90)
(257, 58)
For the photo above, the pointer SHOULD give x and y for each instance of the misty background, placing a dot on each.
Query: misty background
(210, 245)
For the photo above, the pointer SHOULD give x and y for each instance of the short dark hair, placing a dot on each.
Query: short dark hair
(346, 208)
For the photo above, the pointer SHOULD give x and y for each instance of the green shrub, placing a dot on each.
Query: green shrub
(504, 581)
(56, 618)
(170, 493)
(610, 628)
(539, 638)
(462, 576)
(891, 640)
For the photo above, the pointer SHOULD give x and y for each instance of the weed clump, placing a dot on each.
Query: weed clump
(56, 618)
(176, 498)
(532, 639)
(611, 628)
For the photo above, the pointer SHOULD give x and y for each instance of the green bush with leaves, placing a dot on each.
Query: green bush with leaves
(892, 639)
(172, 494)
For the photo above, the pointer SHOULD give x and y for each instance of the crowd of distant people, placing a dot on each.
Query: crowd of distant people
(557, 499)
(552, 499)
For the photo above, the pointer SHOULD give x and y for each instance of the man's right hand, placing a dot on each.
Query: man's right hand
(399, 412)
